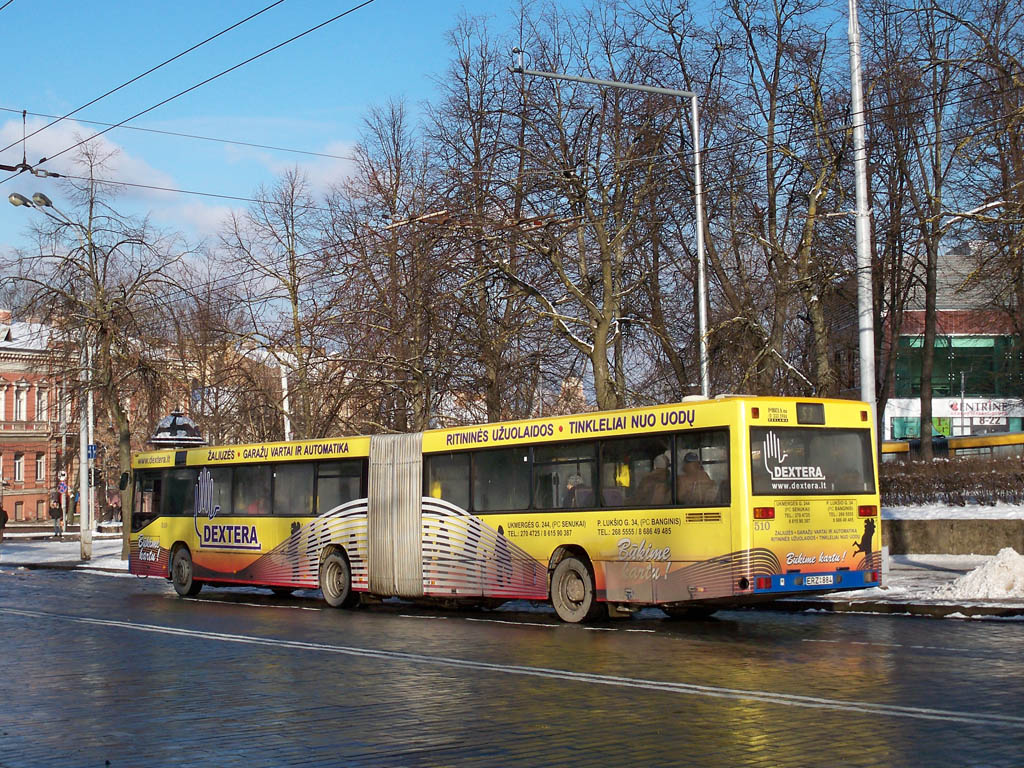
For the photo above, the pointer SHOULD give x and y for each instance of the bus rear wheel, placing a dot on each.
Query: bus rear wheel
(572, 592)
(336, 581)
(183, 574)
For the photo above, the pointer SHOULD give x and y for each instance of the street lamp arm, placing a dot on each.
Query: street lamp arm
(698, 194)
(605, 83)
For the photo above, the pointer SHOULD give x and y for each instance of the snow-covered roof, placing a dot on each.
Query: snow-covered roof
(34, 337)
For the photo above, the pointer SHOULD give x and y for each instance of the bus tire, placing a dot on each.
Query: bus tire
(183, 574)
(336, 581)
(572, 591)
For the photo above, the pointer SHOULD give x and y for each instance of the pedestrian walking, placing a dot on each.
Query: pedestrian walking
(56, 517)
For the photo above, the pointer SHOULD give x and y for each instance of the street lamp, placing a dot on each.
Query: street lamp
(698, 193)
(42, 203)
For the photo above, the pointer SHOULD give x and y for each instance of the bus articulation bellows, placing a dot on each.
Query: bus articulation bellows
(690, 507)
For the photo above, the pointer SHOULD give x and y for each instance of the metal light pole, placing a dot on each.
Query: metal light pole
(698, 194)
(865, 301)
(41, 203)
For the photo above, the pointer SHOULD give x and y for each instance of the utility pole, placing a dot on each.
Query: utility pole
(92, 454)
(84, 507)
(865, 300)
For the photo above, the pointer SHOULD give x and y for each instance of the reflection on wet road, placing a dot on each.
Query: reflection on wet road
(241, 676)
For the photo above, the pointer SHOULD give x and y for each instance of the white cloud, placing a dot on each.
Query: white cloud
(205, 221)
(322, 172)
(120, 166)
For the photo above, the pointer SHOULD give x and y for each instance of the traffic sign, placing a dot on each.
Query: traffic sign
(62, 487)
(92, 450)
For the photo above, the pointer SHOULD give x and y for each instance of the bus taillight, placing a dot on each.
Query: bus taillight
(867, 510)
(764, 513)
(764, 582)
(873, 576)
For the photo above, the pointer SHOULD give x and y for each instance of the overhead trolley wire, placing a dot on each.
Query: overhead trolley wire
(162, 132)
(147, 72)
(209, 79)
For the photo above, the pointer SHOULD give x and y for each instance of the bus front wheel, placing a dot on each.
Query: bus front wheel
(572, 591)
(183, 575)
(336, 581)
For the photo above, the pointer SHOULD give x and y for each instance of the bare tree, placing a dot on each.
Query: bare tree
(97, 278)
(393, 277)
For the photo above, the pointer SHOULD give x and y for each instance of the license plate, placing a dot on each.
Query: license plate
(818, 581)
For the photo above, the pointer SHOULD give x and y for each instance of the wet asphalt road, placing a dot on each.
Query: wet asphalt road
(98, 669)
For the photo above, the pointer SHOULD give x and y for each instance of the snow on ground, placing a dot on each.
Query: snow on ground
(106, 552)
(1000, 511)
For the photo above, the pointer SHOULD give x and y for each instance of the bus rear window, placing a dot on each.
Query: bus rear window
(808, 461)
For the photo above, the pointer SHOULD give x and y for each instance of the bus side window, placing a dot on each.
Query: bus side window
(446, 476)
(563, 475)
(251, 490)
(636, 471)
(147, 500)
(178, 497)
(293, 489)
(501, 480)
(338, 482)
(702, 468)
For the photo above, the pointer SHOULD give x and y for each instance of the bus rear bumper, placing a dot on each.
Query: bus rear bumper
(825, 581)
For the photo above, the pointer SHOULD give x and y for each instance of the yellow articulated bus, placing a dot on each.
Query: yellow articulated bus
(690, 507)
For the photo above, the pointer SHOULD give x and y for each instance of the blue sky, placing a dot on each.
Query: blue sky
(309, 95)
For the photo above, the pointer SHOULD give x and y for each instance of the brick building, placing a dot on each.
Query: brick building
(35, 416)
(978, 371)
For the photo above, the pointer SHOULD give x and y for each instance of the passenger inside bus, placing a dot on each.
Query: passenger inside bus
(655, 488)
(693, 486)
(578, 493)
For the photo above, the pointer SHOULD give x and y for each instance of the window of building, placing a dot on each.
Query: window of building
(20, 397)
(19, 467)
(19, 510)
(40, 510)
(976, 366)
(42, 404)
(40, 468)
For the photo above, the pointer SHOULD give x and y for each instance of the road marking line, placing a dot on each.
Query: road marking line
(768, 697)
(895, 645)
(249, 605)
(516, 623)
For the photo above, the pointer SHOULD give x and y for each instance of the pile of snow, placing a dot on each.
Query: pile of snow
(1001, 577)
